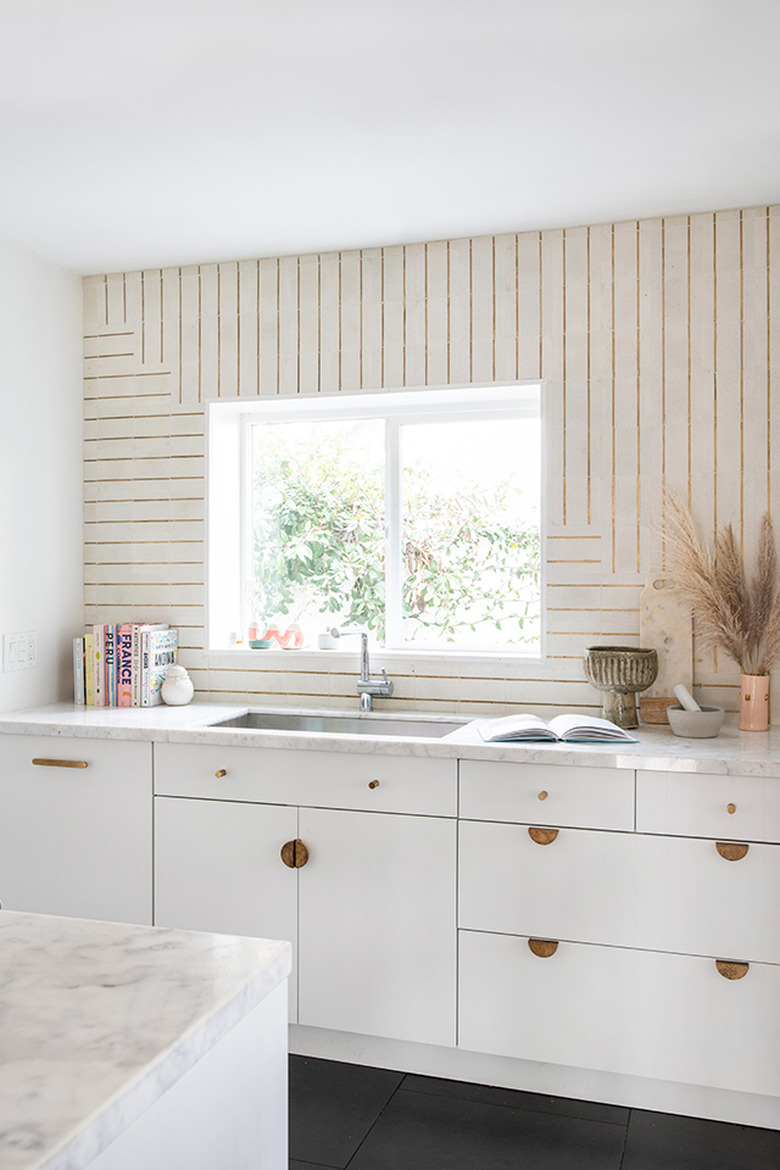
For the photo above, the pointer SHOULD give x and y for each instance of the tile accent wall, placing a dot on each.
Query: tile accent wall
(654, 340)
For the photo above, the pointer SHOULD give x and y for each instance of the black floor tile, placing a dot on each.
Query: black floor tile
(661, 1141)
(515, 1099)
(424, 1131)
(332, 1107)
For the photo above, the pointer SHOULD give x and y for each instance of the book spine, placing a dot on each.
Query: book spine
(124, 665)
(89, 668)
(78, 672)
(162, 650)
(98, 667)
(110, 664)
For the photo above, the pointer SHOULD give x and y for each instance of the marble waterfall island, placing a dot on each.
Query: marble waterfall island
(125, 1046)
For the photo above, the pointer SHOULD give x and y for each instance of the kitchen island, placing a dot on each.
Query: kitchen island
(125, 1046)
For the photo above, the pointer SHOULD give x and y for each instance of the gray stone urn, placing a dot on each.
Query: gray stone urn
(619, 672)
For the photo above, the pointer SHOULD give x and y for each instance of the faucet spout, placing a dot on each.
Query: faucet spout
(367, 686)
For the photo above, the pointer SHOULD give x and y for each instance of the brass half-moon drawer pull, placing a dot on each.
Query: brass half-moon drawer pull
(731, 970)
(542, 947)
(60, 763)
(731, 850)
(543, 836)
(220, 773)
(294, 854)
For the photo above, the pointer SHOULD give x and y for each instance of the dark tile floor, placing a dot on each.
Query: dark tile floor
(344, 1115)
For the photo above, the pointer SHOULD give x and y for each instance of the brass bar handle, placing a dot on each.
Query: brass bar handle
(40, 763)
(294, 854)
(220, 773)
(731, 850)
(731, 970)
(543, 836)
(543, 948)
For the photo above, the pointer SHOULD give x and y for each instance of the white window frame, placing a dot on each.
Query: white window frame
(229, 484)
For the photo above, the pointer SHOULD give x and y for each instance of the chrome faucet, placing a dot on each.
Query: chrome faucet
(367, 686)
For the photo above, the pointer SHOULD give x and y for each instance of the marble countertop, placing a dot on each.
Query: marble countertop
(99, 1019)
(732, 751)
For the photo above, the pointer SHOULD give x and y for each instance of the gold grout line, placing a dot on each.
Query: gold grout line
(319, 323)
(126, 458)
(715, 378)
(140, 374)
(638, 414)
(121, 398)
(124, 298)
(143, 317)
(238, 329)
(403, 315)
(257, 328)
(100, 336)
(278, 325)
(200, 335)
(162, 335)
(105, 296)
(614, 451)
(563, 356)
(130, 543)
(425, 315)
(382, 317)
(298, 325)
(449, 311)
(90, 357)
(493, 279)
(471, 310)
(219, 331)
(768, 366)
(517, 307)
(741, 384)
(181, 329)
(689, 374)
(541, 313)
(587, 375)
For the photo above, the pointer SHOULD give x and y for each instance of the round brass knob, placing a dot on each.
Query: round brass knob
(222, 772)
(294, 854)
(373, 784)
(731, 808)
(543, 795)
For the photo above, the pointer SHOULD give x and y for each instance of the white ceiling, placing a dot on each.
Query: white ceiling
(141, 133)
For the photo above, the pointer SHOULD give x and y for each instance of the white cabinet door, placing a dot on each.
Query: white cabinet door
(673, 1017)
(377, 925)
(217, 867)
(76, 827)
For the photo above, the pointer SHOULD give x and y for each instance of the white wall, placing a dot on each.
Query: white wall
(41, 583)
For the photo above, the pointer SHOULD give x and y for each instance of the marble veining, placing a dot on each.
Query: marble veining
(732, 752)
(98, 1020)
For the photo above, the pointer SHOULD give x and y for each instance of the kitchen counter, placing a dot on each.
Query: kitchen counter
(732, 752)
(104, 1026)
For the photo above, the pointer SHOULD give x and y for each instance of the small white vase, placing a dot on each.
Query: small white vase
(177, 688)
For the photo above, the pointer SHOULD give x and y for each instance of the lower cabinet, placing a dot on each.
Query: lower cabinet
(672, 1017)
(369, 905)
(76, 827)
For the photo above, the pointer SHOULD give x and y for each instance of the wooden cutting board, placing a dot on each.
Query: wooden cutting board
(665, 625)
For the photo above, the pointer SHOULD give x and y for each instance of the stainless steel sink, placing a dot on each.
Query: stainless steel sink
(374, 724)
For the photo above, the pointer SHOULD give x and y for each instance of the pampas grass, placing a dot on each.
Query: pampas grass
(741, 616)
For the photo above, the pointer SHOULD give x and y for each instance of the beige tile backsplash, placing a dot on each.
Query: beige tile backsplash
(655, 344)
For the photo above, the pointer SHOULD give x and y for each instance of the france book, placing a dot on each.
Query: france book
(560, 729)
(124, 665)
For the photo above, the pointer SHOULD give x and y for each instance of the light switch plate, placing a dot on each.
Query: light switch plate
(20, 651)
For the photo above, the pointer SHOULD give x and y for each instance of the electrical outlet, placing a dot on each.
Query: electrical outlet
(20, 651)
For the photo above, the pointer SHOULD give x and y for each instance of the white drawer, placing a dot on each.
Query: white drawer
(547, 794)
(624, 889)
(645, 1014)
(317, 779)
(699, 805)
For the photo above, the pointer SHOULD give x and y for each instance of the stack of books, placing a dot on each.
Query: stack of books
(123, 665)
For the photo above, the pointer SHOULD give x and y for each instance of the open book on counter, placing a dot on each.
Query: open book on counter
(560, 729)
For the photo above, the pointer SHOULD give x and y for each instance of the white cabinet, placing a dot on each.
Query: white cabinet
(370, 912)
(76, 827)
(652, 950)
(377, 925)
